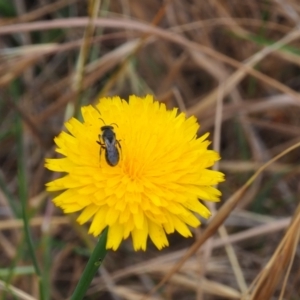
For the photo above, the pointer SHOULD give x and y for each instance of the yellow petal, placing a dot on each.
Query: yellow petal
(87, 213)
(157, 235)
(139, 237)
(115, 236)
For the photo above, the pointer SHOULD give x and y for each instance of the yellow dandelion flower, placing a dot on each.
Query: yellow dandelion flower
(152, 188)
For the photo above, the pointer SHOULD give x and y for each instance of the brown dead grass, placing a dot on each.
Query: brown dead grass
(233, 64)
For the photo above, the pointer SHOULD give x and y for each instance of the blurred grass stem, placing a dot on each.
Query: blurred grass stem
(23, 193)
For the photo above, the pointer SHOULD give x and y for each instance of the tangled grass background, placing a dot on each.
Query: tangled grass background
(232, 64)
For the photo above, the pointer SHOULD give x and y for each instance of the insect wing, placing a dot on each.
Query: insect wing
(111, 152)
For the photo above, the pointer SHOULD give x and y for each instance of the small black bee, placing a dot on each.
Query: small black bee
(109, 144)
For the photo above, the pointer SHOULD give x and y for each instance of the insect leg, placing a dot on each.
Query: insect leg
(102, 146)
(119, 145)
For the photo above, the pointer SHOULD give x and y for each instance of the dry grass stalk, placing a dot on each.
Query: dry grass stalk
(234, 65)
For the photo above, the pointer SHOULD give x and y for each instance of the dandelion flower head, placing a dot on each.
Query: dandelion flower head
(155, 186)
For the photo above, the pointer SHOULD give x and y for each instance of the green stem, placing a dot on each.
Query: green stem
(22, 182)
(91, 268)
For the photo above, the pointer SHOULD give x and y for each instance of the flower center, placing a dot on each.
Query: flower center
(133, 168)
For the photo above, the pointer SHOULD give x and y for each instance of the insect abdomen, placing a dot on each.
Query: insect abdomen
(112, 157)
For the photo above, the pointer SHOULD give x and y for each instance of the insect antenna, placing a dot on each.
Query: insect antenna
(109, 124)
